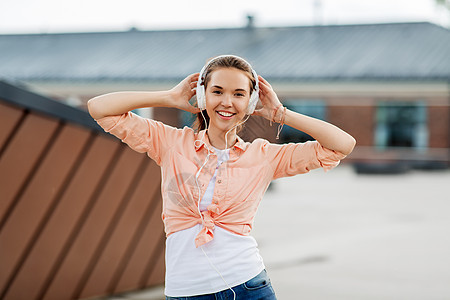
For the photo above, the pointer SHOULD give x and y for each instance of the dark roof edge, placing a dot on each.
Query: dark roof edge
(134, 30)
(21, 97)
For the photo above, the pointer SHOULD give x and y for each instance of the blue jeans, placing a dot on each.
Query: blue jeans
(257, 288)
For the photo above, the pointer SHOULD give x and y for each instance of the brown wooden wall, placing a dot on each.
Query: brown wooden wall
(79, 210)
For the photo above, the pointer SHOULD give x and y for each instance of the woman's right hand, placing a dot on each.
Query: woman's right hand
(117, 103)
(183, 92)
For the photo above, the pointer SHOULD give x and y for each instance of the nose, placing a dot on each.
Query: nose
(227, 100)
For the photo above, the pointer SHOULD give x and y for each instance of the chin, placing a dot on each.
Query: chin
(223, 127)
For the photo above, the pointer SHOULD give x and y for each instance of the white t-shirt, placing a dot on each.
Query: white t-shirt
(188, 270)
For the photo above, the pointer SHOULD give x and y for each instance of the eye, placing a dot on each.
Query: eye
(239, 95)
(217, 92)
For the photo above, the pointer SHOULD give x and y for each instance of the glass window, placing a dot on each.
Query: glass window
(401, 124)
(312, 108)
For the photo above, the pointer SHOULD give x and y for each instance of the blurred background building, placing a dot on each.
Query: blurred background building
(386, 84)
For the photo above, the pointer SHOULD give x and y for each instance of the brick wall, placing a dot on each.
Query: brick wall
(439, 126)
(359, 121)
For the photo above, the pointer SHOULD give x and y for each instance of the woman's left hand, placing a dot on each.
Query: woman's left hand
(269, 100)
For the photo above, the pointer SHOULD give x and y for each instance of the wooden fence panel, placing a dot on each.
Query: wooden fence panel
(63, 225)
(20, 160)
(115, 251)
(148, 245)
(159, 269)
(78, 209)
(31, 212)
(10, 117)
(84, 250)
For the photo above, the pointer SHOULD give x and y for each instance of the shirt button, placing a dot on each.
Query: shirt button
(219, 181)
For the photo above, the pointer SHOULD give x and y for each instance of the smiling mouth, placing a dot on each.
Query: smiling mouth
(224, 114)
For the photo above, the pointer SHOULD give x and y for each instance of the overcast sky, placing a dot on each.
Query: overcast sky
(33, 16)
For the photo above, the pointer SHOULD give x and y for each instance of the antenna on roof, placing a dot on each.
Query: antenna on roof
(250, 21)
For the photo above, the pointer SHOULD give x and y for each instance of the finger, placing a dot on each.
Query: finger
(262, 112)
(264, 81)
(261, 79)
(193, 109)
(194, 76)
(191, 78)
(263, 88)
(262, 85)
(257, 112)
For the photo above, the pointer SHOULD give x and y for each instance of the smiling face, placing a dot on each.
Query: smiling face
(227, 97)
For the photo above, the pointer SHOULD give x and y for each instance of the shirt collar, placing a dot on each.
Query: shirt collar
(203, 140)
(240, 144)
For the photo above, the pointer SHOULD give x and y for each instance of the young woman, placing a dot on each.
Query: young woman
(213, 181)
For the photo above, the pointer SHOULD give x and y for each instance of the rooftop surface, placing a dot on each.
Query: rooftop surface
(341, 236)
(401, 51)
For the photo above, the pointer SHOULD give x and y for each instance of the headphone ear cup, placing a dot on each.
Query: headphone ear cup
(201, 99)
(254, 97)
(252, 102)
(200, 91)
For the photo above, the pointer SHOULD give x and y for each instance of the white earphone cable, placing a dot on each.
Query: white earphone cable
(218, 272)
(198, 207)
(198, 174)
(226, 140)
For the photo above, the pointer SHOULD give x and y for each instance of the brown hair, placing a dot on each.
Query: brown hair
(228, 61)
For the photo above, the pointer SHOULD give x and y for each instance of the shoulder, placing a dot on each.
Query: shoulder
(257, 145)
(264, 144)
(267, 147)
(169, 129)
(259, 142)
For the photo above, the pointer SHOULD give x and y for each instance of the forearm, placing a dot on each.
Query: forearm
(121, 102)
(328, 135)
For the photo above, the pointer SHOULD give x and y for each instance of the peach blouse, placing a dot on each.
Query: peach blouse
(240, 183)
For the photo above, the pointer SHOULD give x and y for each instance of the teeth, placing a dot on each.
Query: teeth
(225, 114)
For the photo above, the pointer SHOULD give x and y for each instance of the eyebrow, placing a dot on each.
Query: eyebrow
(221, 88)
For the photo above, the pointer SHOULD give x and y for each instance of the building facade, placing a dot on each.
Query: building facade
(386, 84)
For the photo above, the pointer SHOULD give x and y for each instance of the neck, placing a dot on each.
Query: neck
(217, 138)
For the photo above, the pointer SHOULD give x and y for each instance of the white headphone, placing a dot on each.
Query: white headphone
(201, 97)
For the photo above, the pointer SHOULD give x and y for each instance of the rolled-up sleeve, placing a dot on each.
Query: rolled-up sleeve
(292, 159)
(140, 134)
